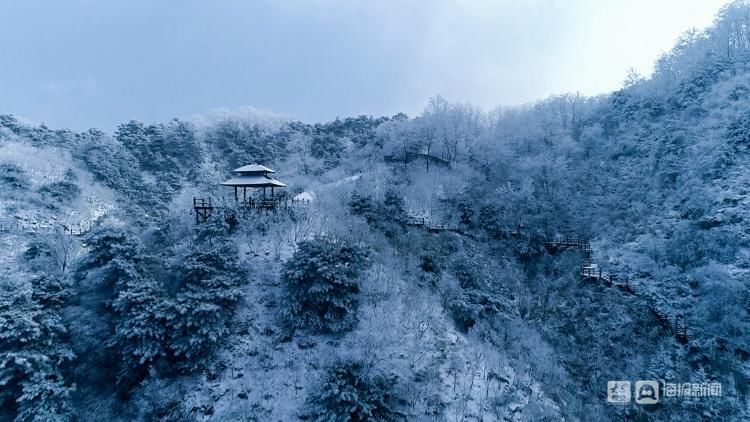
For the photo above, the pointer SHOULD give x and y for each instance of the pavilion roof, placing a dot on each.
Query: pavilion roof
(254, 181)
(253, 168)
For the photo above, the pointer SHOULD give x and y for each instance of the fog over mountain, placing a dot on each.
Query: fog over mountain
(575, 258)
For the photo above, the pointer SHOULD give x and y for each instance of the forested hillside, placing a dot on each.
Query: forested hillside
(418, 282)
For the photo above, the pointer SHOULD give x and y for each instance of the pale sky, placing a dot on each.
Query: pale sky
(93, 63)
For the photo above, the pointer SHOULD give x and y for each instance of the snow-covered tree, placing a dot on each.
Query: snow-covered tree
(206, 293)
(32, 351)
(353, 391)
(321, 281)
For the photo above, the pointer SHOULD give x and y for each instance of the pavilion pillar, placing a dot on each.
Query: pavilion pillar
(264, 192)
(271, 191)
(244, 193)
(235, 194)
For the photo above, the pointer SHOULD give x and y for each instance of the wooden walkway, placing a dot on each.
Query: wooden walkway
(569, 243)
(588, 271)
(593, 272)
(430, 225)
(676, 323)
(35, 227)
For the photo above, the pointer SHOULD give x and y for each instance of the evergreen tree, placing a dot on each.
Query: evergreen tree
(363, 205)
(322, 286)
(394, 206)
(32, 387)
(140, 312)
(351, 391)
(123, 271)
(107, 244)
(205, 299)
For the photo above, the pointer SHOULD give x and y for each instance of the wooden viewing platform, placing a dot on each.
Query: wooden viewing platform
(204, 206)
(253, 176)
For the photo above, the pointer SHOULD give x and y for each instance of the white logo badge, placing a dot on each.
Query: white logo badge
(647, 392)
(618, 391)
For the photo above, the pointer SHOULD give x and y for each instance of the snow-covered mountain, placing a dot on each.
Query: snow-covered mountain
(429, 269)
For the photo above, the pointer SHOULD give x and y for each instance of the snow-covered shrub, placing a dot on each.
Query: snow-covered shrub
(466, 214)
(322, 285)
(738, 133)
(388, 215)
(691, 247)
(429, 262)
(490, 221)
(467, 270)
(394, 207)
(361, 204)
(13, 177)
(352, 391)
(326, 147)
(464, 312)
(63, 191)
(50, 291)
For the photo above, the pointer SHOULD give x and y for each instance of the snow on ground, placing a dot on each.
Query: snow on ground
(403, 329)
(349, 179)
(305, 196)
(25, 213)
(310, 194)
(42, 165)
(11, 245)
(46, 165)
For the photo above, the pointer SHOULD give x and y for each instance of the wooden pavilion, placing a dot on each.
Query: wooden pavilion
(253, 176)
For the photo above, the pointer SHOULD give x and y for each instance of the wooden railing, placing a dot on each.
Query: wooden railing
(79, 229)
(569, 242)
(202, 202)
(430, 225)
(270, 203)
(204, 206)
